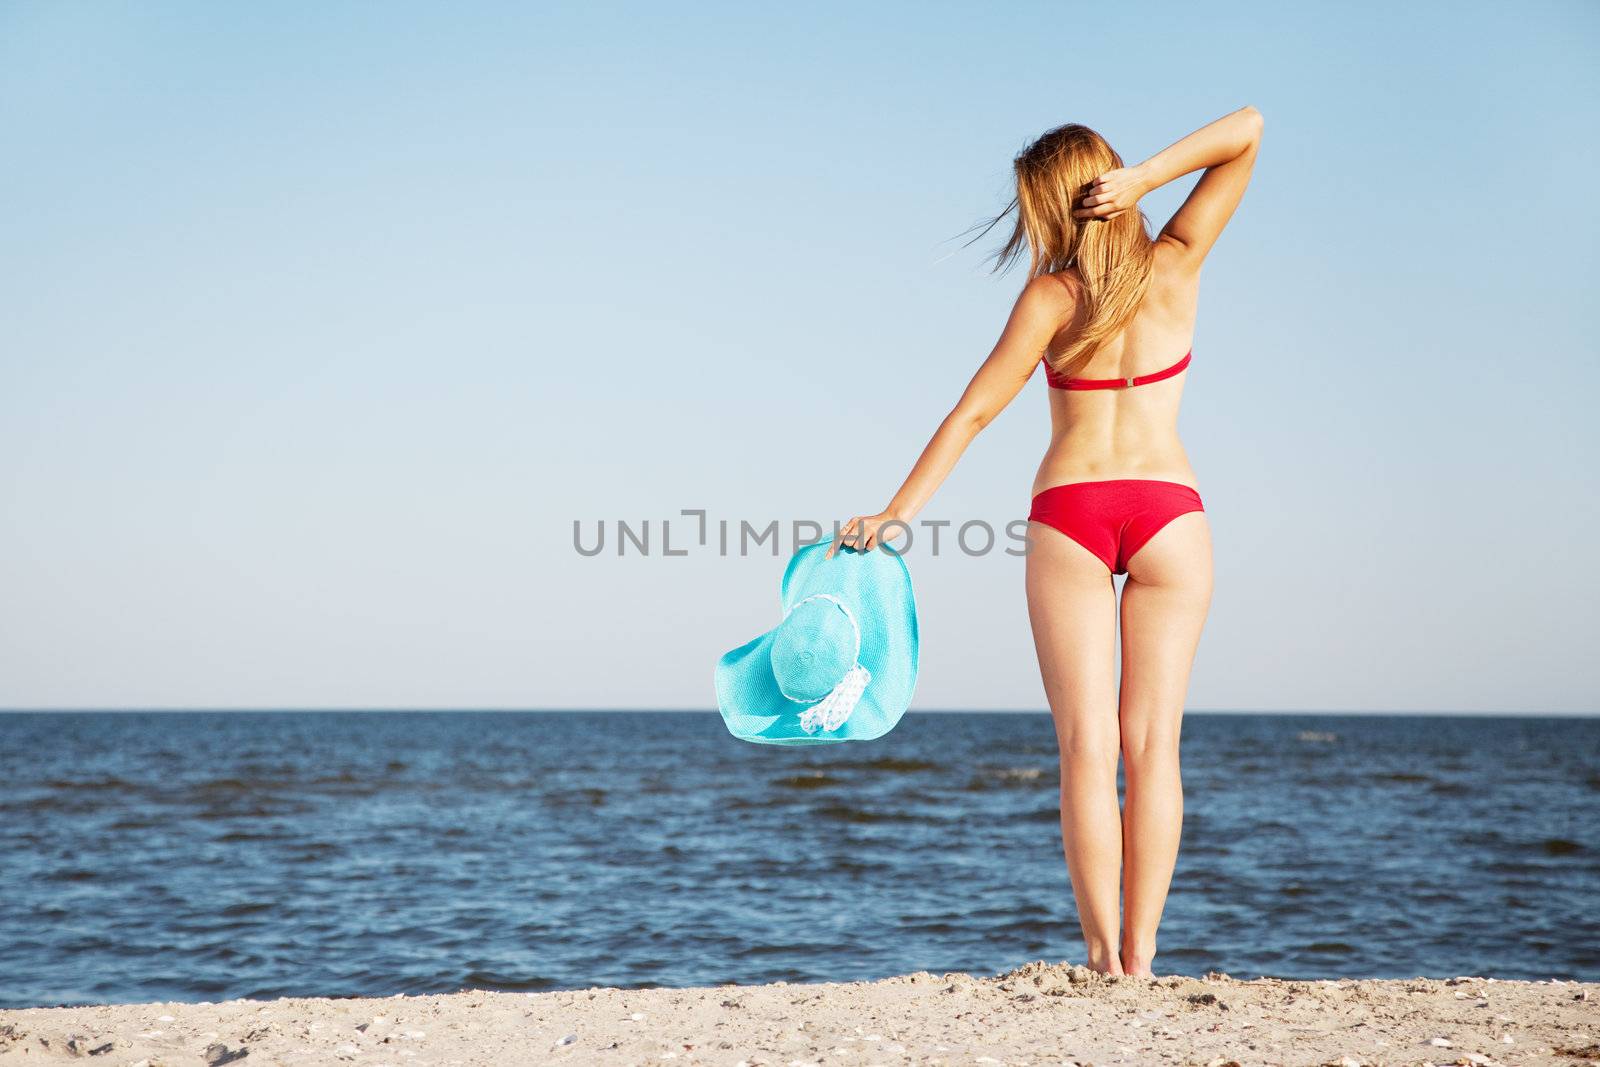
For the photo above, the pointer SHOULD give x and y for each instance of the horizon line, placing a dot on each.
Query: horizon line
(561, 710)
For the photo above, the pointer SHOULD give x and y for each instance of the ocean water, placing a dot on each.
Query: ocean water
(206, 856)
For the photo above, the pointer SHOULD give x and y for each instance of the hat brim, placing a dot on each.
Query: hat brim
(877, 586)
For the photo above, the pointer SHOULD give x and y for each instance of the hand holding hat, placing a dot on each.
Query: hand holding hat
(864, 532)
(841, 666)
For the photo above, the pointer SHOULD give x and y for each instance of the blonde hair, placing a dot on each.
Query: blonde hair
(1112, 257)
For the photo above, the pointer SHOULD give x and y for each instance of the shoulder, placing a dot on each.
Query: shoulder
(1051, 296)
(1056, 302)
(1174, 259)
(1063, 286)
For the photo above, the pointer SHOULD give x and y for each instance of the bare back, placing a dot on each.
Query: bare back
(1130, 433)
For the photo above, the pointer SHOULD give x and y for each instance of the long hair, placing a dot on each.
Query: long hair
(1113, 257)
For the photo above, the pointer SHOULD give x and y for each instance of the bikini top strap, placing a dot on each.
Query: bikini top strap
(1117, 383)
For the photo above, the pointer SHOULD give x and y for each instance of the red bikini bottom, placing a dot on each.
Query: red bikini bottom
(1113, 518)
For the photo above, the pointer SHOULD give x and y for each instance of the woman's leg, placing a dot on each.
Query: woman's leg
(1072, 605)
(1164, 604)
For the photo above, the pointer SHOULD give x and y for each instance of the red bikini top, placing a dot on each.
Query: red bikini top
(1057, 382)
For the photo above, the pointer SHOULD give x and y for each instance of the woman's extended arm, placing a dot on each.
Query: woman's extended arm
(1226, 149)
(1042, 306)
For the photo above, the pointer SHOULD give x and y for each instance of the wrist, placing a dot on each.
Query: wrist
(1145, 175)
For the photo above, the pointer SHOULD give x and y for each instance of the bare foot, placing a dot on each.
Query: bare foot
(1104, 961)
(1137, 962)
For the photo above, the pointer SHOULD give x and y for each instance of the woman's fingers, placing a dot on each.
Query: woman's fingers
(1099, 211)
(842, 539)
(860, 533)
(1102, 201)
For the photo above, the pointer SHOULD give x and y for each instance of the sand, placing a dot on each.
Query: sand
(1037, 1014)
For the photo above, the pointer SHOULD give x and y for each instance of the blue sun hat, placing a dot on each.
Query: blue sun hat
(842, 664)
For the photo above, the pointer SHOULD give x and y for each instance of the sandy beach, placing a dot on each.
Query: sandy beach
(1035, 1015)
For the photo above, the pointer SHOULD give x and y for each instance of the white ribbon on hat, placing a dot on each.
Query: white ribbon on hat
(831, 711)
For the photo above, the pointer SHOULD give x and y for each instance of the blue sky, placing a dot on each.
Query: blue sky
(323, 323)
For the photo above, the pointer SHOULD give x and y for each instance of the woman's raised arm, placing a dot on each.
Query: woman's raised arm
(1226, 149)
(1042, 306)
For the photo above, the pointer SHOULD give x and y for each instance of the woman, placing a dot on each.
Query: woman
(1111, 314)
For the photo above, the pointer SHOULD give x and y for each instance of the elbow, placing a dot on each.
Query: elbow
(971, 420)
(1254, 121)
